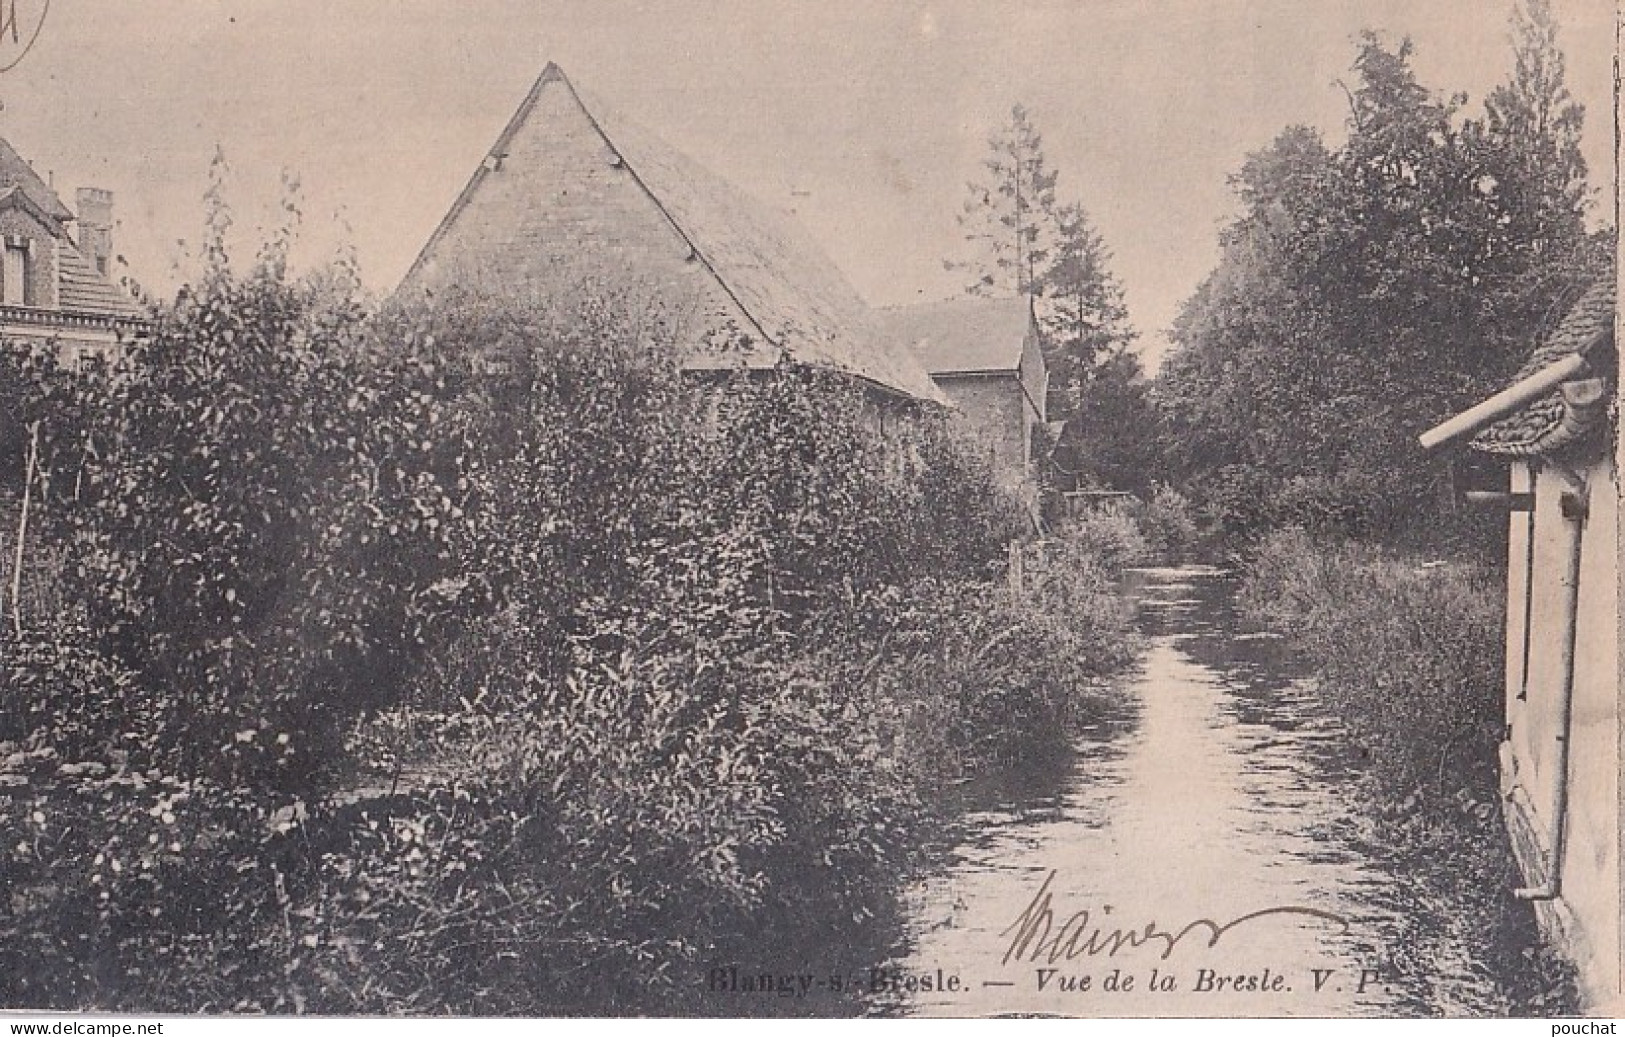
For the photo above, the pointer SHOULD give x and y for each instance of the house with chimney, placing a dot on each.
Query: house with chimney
(1555, 429)
(985, 356)
(55, 285)
(573, 194)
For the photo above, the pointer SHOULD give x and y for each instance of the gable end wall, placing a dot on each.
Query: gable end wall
(559, 211)
(994, 410)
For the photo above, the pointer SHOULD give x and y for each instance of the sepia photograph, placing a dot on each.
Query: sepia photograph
(810, 509)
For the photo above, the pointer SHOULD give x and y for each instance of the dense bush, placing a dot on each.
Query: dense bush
(469, 658)
(1167, 522)
(1342, 320)
(1107, 534)
(206, 487)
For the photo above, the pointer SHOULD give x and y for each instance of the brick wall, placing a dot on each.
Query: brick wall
(994, 409)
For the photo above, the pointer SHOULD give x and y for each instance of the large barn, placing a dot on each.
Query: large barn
(571, 194)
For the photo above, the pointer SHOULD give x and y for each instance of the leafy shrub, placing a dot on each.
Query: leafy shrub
(1168, 523)
(119, 879)
(1105, 535)
(712, 790)
(43, 561)
(1411, 656)
(963, 518)
(188, 480)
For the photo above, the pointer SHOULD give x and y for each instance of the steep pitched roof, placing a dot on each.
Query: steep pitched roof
(83, 289)
(1554, 422)
(14, 197)
(16, 172)
(785, 286)
(961, 336)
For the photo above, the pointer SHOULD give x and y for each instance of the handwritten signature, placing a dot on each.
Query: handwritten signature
(13, 48)
(1034, 935)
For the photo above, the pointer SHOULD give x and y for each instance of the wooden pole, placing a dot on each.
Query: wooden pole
(22, 533)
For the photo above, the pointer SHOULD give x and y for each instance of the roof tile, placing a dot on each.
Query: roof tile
(82, 289)
(16, 172)
(1539, 428)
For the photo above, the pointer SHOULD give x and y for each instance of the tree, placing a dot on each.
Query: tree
(1085, 321)
(1113, 440)
(1366, 293)
(1008, 214)
(1528, 145)
(1021, 241)
(1227, 391)
(1535, 123)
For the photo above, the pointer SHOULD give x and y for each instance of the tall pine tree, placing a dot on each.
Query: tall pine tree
(1085, 320)
(1021, 241)
(1009, 213)
(1096, 385)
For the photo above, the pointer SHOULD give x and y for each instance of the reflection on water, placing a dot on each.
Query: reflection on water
(1219, 791)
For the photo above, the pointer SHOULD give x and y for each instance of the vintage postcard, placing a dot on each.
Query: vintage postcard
(952, 508)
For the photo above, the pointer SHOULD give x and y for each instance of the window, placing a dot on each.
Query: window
(14, 275)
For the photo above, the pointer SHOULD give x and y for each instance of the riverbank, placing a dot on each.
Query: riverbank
(562, 831)
(1227, 781)
(1408, 656)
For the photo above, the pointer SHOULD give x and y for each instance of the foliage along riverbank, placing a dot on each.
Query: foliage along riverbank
(471, 660)
(1409, 658)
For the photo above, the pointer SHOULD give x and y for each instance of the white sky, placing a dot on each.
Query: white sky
(864, 118)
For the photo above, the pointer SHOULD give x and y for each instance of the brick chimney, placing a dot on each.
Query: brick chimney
(96, 227)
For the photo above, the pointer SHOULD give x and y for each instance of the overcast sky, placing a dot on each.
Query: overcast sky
(863, 117)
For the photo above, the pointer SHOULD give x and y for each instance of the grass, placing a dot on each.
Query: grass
(1409, 657)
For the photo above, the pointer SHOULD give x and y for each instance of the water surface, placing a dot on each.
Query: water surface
(1218, 790)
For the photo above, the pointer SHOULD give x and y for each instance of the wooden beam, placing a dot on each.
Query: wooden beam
(1495, 499)
(1504, 402)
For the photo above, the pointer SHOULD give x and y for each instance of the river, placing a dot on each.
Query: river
(1219, 791)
